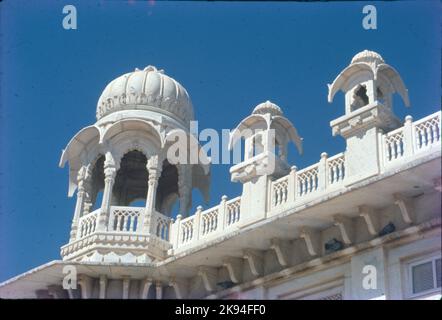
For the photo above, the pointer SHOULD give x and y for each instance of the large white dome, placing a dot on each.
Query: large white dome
(147, 89)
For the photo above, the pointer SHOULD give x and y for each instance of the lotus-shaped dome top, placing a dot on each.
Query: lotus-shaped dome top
(367, 56)
(267, 107)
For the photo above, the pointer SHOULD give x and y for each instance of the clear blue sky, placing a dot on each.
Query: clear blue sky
(229, 56)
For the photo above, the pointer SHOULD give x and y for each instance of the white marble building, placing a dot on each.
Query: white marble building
(361, 224)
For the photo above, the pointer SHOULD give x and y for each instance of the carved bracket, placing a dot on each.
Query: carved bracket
(406, 207)
(180, 287)
(346, 228)
(312, 240)
(234, 267)
(255, 260)
(209, 276)
(144, 288)
(282, 250)
(371, 219)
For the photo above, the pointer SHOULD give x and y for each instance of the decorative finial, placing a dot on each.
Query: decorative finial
(368, 57)
(151, 68)
(267, 107)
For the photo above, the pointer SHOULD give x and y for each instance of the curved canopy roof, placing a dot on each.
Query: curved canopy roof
(372, 64)
(265, 121)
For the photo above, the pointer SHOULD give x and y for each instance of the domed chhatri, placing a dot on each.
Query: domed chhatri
(147, 89)
(367, 80)
(368, 57)
(124, 157)
(268, 107)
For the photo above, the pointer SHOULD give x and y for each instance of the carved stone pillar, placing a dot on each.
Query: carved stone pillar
(83, 178)
(184, 188)
(154, 167)
(110, 172)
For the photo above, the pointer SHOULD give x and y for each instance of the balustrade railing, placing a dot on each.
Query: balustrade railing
(186, 230)
(412, 138)
(427, 131)
(233, 211)
(161, 225)
(87, 224)
(206, 223)
(336, 169)
(329, 172)
(125, 219)
(280, 191)
(308, 180)
(394, 144)
(209, 221)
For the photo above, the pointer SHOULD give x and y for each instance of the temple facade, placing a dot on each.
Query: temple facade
(361, 224)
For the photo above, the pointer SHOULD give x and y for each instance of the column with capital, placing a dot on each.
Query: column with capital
(154, 167)
(110, 172)
(83, 179)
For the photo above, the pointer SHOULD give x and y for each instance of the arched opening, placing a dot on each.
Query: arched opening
(175, 210)
(96, 186)
(379, 94)
(238, 152)
(167, 192)
(381, 97)
(138, 203)
(280, 151)
(257, 145)
(360, 97)
(130, 186)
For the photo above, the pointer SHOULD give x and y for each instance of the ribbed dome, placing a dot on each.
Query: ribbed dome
(367, 56)
(147, 89)
(267, 107)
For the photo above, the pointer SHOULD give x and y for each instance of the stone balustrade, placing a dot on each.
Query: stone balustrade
(393, 143)
(426, 132)
(87, 224)
(325, 176)
(125, 219)
(336, 169)
(209, 223)
(162, 226)
(233, 210)
(307, 180)
(411, 139)
(280, 191)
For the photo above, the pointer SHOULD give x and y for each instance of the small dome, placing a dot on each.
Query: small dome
(367, 56)
(146, 89)
(267, 107)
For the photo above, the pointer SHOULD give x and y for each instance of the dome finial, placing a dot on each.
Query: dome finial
(367, 56)
(150, 68)
(267, 107)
